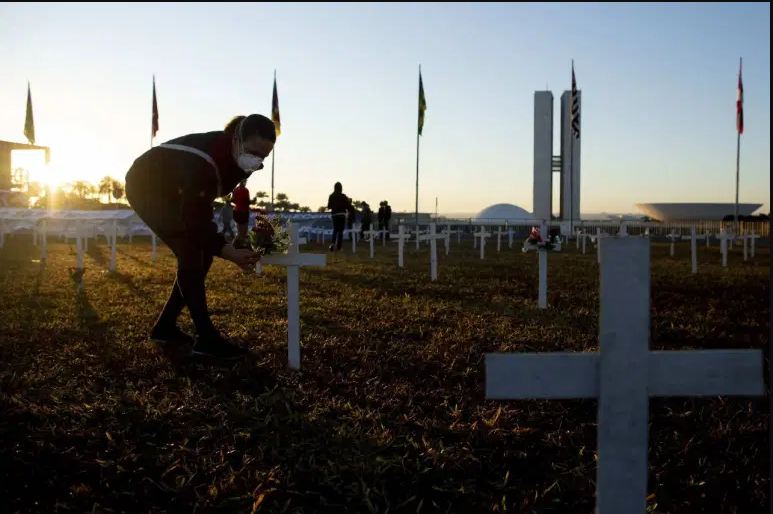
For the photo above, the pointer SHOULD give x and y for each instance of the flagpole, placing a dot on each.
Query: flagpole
(417, 180)
(738, 156)
(737, 176)
(417, 162)
(273, 153)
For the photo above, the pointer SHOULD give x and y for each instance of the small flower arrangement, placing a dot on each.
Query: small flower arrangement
(535, 242)
(268, 236)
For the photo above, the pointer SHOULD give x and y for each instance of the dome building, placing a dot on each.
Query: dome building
(503, 212)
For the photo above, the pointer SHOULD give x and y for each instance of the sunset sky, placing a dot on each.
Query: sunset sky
(658, 84)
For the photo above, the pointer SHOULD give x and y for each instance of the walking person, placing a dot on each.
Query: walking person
(339, 205)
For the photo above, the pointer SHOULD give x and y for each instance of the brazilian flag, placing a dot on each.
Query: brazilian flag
(275, 110)
(422, 104)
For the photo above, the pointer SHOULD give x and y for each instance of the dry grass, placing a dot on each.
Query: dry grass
(388, 413)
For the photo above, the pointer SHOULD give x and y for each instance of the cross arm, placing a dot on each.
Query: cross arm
(705, 373)
(298, 259)
(541, 375)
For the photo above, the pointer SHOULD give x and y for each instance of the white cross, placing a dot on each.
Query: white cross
(432, 237)
(597, 240)
(417, 233)
(293, 260)
(752, 237)
(371, 233)
(482, 235)
(623, 232)
(401, 237)
(447, 241)
(623, 375)
(673, 236)
(724, 237)
(577, 233)
(693, 237)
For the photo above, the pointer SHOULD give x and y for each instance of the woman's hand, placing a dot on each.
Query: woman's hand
(242, 257)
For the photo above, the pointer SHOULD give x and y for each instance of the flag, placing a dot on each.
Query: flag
(29, 123)
(739, 102)
(422, 104)
(575, 107)
(154, 122)
(275, 110)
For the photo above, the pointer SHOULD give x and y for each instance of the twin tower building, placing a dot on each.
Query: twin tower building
(566, 164)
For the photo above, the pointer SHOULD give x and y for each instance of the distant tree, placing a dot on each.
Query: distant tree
(281, 197)
(260, 195)
(82, 189)
(118, 189)
(322, 208)
(106, 187)
(305, 209)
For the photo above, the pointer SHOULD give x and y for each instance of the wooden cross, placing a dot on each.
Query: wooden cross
(371, 233)
(482, 235)
(724, 237)
(623, 375)
(293, 260)
(432, 237)
(401, 237)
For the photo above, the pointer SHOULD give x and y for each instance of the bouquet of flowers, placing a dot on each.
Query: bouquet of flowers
(535, 242)
(268, 235)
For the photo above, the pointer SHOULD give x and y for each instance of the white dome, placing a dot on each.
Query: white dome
(504, 212)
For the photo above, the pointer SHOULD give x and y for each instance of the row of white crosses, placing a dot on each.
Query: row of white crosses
(623, 375)
(293, 260)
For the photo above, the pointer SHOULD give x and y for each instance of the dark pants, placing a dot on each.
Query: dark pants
(384, 225)
(165, 208)
(339, 222)
(364, 228)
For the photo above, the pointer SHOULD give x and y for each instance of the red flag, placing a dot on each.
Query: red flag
(739, 102)
(154, 124)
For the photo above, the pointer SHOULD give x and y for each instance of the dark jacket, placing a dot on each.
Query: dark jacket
(176, 188)
(339, 203)
(367, 215)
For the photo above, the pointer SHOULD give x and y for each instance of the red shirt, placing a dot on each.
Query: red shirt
(241, 199)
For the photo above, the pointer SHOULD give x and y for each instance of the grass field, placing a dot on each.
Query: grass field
(388, 412)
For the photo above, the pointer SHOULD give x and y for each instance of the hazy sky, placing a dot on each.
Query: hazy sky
(658, 83)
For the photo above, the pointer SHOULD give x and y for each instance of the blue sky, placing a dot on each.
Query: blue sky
(658, 82)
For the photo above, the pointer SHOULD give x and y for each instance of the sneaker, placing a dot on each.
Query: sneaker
(332, 248)
(170, 336)
(218, 347)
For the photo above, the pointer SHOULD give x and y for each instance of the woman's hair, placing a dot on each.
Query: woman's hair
(253, 124)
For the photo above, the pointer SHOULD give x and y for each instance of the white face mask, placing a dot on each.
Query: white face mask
(249, 163)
